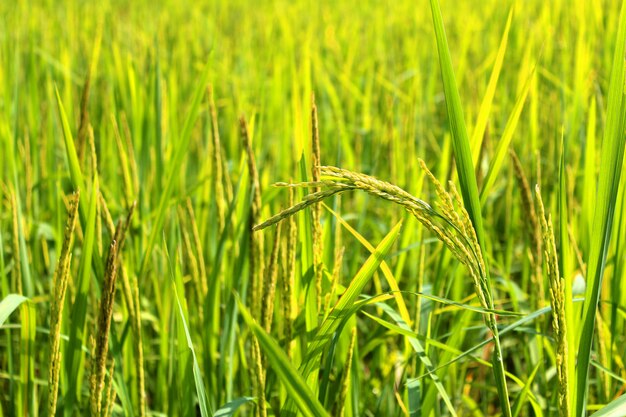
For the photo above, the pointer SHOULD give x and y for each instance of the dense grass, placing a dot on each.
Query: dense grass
(139, 147)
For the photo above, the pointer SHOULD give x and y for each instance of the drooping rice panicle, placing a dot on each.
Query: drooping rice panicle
(452, 225)
(307, 201)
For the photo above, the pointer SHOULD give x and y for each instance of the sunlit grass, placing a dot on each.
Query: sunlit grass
(149, 267)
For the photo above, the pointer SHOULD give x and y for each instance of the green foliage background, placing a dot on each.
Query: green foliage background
(374, 69)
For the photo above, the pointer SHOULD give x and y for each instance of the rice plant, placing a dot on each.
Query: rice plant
(285, 208)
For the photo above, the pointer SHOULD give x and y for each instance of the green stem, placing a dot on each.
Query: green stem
(498, 367)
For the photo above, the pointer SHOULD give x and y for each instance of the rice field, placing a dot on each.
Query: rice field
(298, 208)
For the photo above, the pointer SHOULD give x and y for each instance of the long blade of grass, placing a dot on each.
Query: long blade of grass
(414, 388)
(503, 145)
(467, 179)
(608, 184)
(511, 327)
(175, 166)
(615, 408)
(27, 281)
(177, 287)
(230, 408)
(77, 337)
(27, 358)
(347, 299)
(485, 106)
(293, 382)
(422, 355)
(77, 178)
(387, 273)
(564, 267)
(460, 139)
(72, 155)
(523, 395)
(343, 308)
(9, 304)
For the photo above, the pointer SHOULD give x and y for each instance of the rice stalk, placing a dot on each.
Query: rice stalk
(259, 375)
(105, 313)
(603, 357)
(307, 201)
(17, 276)
(345, 378)
(316, 209)
(130, 291)
(110, 226)
(60, 280)
(127, 181)
(533, 229)
(217, 169)
(28, 173)
(557, 300)
(257, 266)
(130, 152)
(110, 393)
(334, 283)
(139, 363)
(81, 136)
(270, 284)
(190, 259)
(451, 224)
(94, 171)
(288, 278)
(197, 244)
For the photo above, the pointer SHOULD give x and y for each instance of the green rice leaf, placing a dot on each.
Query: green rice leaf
(521, 397)
(9, 304)
(182, 147)
(347, 299)
(485, 106)
(344, 307)
(78, 335)
(616, 408)
(230, 408)
(293, 382)
(422, 355)
(414, 392)
(467, 178)
(503, 145)
(460, 139)
(612, 156)
(177, 287)
(72, 156)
